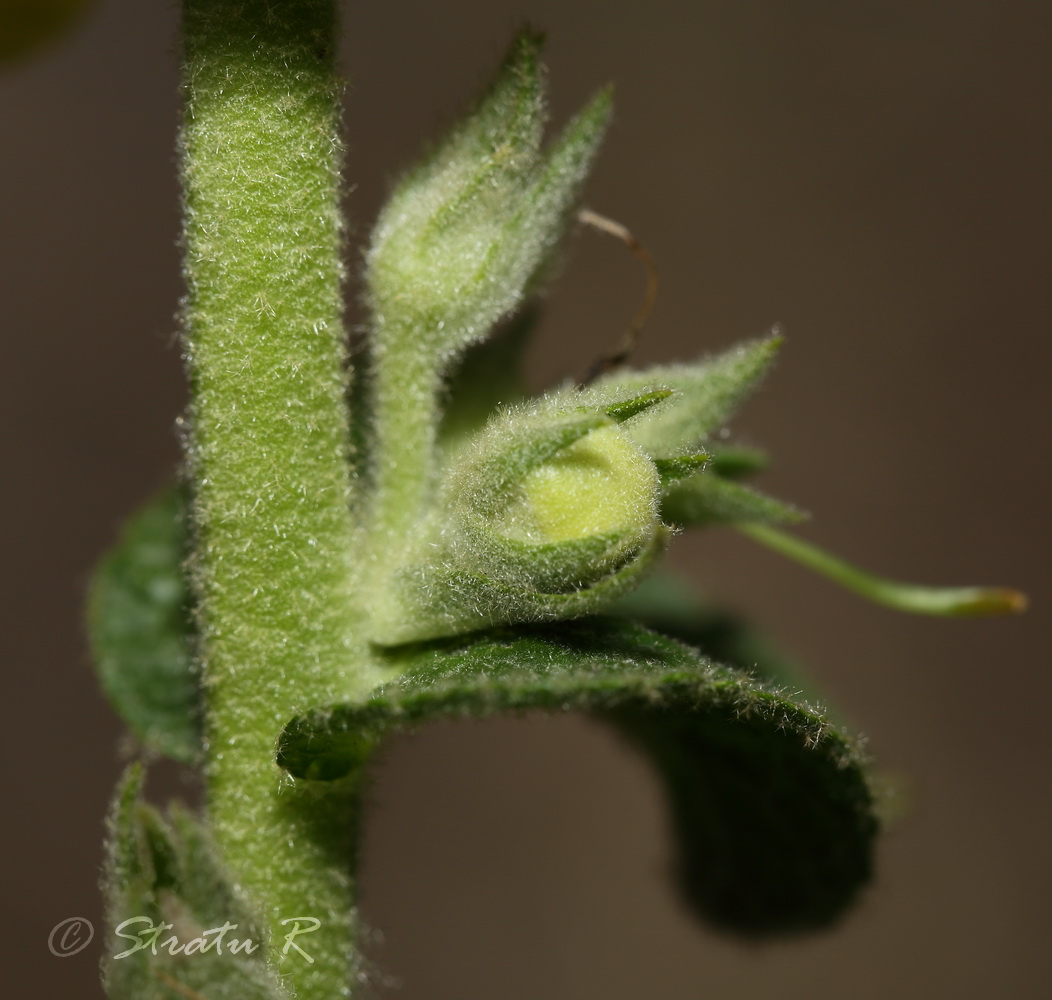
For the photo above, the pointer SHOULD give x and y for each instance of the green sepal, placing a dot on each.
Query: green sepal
(509, 448)
(489, 375)
(555, 567)
(770, 802)
(737, 461)
(548, 207)
(165, 872)
(705, 498)
(138, 625)
(634, 405)
(524, 437)
(433, 600)
(707, 392)
(671, 470)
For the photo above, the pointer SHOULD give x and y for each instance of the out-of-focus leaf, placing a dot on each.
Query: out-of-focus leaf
(672, 470)
(737, 461)
(770, 802)
(139, 629)
(667, 604)
(705, 498)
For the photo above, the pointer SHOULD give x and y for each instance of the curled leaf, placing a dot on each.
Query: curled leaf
(770, 801)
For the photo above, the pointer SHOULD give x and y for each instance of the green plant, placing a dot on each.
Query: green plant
(357, 569)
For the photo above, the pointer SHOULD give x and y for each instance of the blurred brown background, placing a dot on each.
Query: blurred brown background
(874, 175)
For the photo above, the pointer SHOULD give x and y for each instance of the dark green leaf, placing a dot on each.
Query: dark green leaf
(667, 604)
(139, 630)
(770, 801)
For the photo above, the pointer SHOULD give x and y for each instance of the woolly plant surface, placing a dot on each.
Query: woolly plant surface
(356, 555)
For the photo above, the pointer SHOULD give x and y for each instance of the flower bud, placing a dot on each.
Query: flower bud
(579, 515)
(544, 516)
(464, 235)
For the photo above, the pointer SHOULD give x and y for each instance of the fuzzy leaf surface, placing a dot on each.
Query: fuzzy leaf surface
(770, 803)
(138, 622)
(668, 603)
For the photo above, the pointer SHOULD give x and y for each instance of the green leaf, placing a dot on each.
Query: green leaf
(163, 880)
(707, 393)
(668, 603)
(705, 498)
(138, 623)
(770, 802)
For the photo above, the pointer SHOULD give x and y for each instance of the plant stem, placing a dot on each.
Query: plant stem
(405, 403)
(268, 450)
(955, 602)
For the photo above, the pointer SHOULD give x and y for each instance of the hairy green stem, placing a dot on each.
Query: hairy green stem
(268, 452)
(406, 385)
